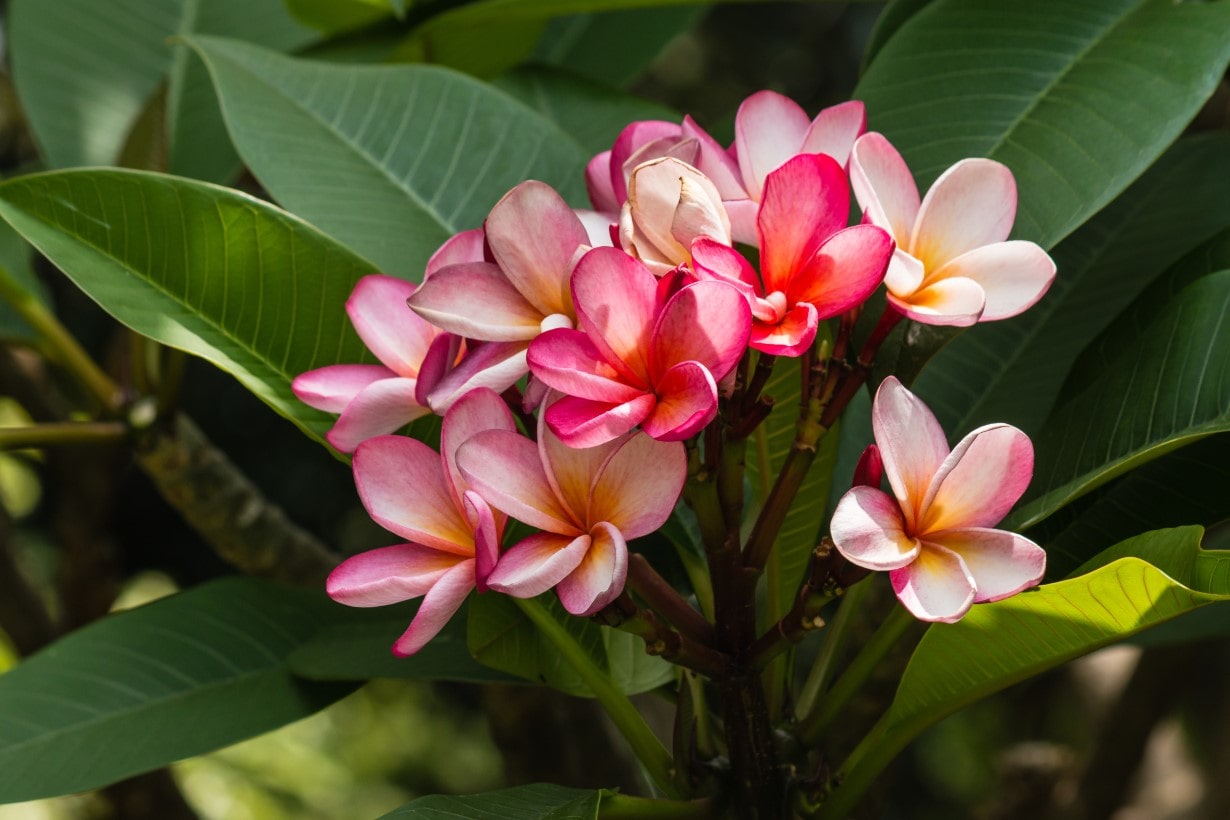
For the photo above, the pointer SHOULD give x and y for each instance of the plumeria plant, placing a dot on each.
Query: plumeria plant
(820, 431)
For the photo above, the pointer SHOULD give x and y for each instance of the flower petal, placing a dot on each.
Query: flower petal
(536, 564)
(467, 246)
(440, 358)
(706, 322)
(805, 201)
(598, 226)
(742, 214)
(600, 576)
(332, 388)
(844, 271)
(687, 401)
(476, 301)
(714, 161)
(488, 528)
(792, 336)
(628, 142)
(614, 295)
(382, 407)
(534, 235)
(568, 361)
(506, 470)
(714, 260)
(769, 129)
(1002, 563)
(571, 471)
(389, 575)
(905, 274)
(402, 485)
(1013, 275)
(479, 409)
(598, 183)
(954, 301)
(377, 308)
(979, 481)
(638, 485)
(936, 586)
(972, 204)
(834, 131)
(439, 605)
(869, 531)
(884, 186)
(912, 444)
(494, 365)
(587, 423)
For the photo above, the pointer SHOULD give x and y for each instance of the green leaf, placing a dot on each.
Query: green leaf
(539, 801)
(1166, 385)
(16, 259)
(480, 48)
(143, 688)
(401, 157)
(892, 17)
(1012, 371)
(502, 637)
(1076, 98)
(204, 269)
(338, 16)
(357, 646)
(84, 71)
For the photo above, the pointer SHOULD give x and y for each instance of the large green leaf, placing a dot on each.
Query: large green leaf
(1165, 385)
(391, 160)
(17, 263)
(1076, 98)
(140, 689)
(502, 637)
(541, 801)
(1012, 371)
(211, 271)
(84, 71)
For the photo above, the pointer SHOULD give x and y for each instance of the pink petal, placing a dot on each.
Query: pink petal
(389, 575)
(382, 407)
(441, 356)
(587, 423)
(488, 529)
(714, 260)
(714, 162)
(598, 226)
(439, 605)
(402, 485)
(687, 401)
(884, 186)
(377, 308)
(506, 470)
(1013, 275)
(493, 365)
(1002, 563)
(614, 295)
(792, 336)
(571, 471)
(533, 235)
(568, 361)
(845, 270)
(534, 565)
(462, 248)
(332, 388)
(478, 302)
(707, 322)
(936, 586)
(972, 204)
(598, 183)
(628, 142)
(743, 213)
(478, 410)
(912, 444)
(953, 301)
(979, 481)
(805, 201)
(638, 485)
(835, 129)
(869, 531)
(769, 129)
(600, 576)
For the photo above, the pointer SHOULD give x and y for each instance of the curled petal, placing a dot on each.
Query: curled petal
(1002, 563)
(700, 212)
(534, 565)
(533, 235)
(706, 322)
(845, 270)
(598, 183)
(478, 302)
(332, 388)
(439, 605)
(713, 260)
(506, 470)
(792, 336)
(487, 533)
(441, 356)
(884, 186)
(905, 274)
(955, 301)
(479, 409)
(936, 586)
(835, 129)
(869, 531)
(587, 423)
(493, 365)
(467, 246)
(600, 576)
(769, 129)
(1013, 276)
(687, 401)
(912, 444)
(972, 204)
(389, 575)
(638, 485)
(382, 407)
(377, 308)
(568, 361)
(979, 481)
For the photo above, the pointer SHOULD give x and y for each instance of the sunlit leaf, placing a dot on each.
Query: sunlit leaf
(540, 801)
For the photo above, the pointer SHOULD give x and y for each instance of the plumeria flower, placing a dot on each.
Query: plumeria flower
(532, 239)
(638, 358)
(952, 265)
(934, 532)
(587, 503)
(419, 494)
(374, 399)
(670, 204)
(812, 266)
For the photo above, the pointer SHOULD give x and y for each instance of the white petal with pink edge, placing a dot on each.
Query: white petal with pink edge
(1014, 275)
(476, 301)
(377, 308)
(936, 586)
(600, 576)
(979, 481)
(382, 407)
(769, 129)
(972, 204)
(884, 186)
(332, 388)
(464, 247)
(956, 302)
(1002, 563)
(533, 235)
(868, 530)
(835, 129)
(439, 605)
(912, 444)
(389, 575)
(534, 565)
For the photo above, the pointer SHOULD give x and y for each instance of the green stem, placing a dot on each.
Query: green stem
(627, 807)
(830, 647)
(61, 347)
(648, 749)
(61, 433)
(813, 725)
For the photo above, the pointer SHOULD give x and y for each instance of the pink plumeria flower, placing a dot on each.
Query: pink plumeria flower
(506, 298)
(638, 359)
(374, 399)
(812, 266)
(953, 265)
(670, 205)
(587, 503)
(934, 532)
(419, 494)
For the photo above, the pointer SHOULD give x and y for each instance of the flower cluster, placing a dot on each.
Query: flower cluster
(624, 327)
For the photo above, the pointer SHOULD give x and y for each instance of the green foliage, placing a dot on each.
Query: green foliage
(537, 802)
(16, 262)
(336, 16)
(613, 48)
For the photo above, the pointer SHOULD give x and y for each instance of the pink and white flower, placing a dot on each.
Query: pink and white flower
(954, 264)
(638, 358)
(670, 205)
(587, 505)
(934, 533)
(453, 535)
